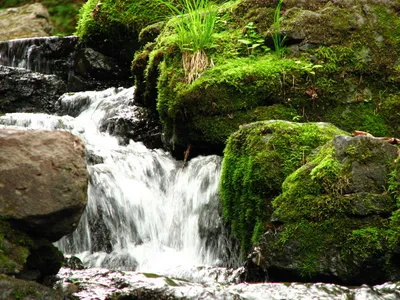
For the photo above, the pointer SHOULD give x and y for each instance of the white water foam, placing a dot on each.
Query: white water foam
(144, 211)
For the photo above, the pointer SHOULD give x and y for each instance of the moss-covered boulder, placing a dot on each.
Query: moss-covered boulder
(26, 257)
(257, 159)
(113, 27)
(325, 71)
(336, 219)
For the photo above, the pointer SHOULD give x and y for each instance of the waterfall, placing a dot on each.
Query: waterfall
(47, 55)
(145, 211)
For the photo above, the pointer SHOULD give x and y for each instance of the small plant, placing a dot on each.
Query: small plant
(252, 39)
(276, 37)
(194, 27)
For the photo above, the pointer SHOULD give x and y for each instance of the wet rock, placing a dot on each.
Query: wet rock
(139, 124)
(30, 20)
(43, 181)
(91, 63)
(47, 55)
(73, 263)
(25, 91)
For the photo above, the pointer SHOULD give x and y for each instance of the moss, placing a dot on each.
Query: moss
(114, 27)
(341, 244)
(257, 159)
(394, 181)
(12, 288)
(325, 216)
(230, 90)
(19, 251)
(14, 248)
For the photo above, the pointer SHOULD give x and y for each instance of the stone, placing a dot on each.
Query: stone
(31, 20)
(22, 90)
(336, 219)
(91, 63)
(43, 181)
(138, 124)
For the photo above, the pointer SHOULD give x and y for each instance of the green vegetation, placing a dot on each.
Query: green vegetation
(63, 13)
(257, 159)
(14, 248)
(326, 220)
(194, 27)
(276, 37)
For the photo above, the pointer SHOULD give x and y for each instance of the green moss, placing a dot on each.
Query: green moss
(323, 216)
(20, 251)
(227, 91)
(14, 248)
(359, 117)
(394, 181)
(114, 27)
(257, 159)
(347, 243)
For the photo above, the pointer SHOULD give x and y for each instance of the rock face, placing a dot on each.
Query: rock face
(25, 91)
(43, 181)
(23, 22)
(337, 219)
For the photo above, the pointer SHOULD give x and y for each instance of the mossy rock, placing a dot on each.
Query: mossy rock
(11, 288)
(26, 257)
(327, 71)
(114, 27)
(335, 220)
(257, 159)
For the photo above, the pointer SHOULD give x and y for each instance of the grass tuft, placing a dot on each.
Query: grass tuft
(194, 27)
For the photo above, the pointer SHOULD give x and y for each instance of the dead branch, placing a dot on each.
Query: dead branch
(390, 140)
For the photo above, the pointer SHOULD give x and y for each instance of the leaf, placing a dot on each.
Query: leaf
(247, 42)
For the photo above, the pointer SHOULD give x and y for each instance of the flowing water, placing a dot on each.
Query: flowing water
(145, 211)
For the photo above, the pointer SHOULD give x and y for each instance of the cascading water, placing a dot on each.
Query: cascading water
(145, 212)
(47, 55)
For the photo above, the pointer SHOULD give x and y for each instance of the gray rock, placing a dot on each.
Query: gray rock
(366, 157)
(24, 91)
(43, 181)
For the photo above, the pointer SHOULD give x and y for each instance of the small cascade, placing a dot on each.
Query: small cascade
(47, 55)
(145, 212)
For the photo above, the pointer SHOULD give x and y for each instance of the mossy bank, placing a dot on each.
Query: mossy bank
(321, 75)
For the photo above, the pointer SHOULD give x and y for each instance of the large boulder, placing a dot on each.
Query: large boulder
(257, 159)
(43, 181)
(337, 218)
(30, 20)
